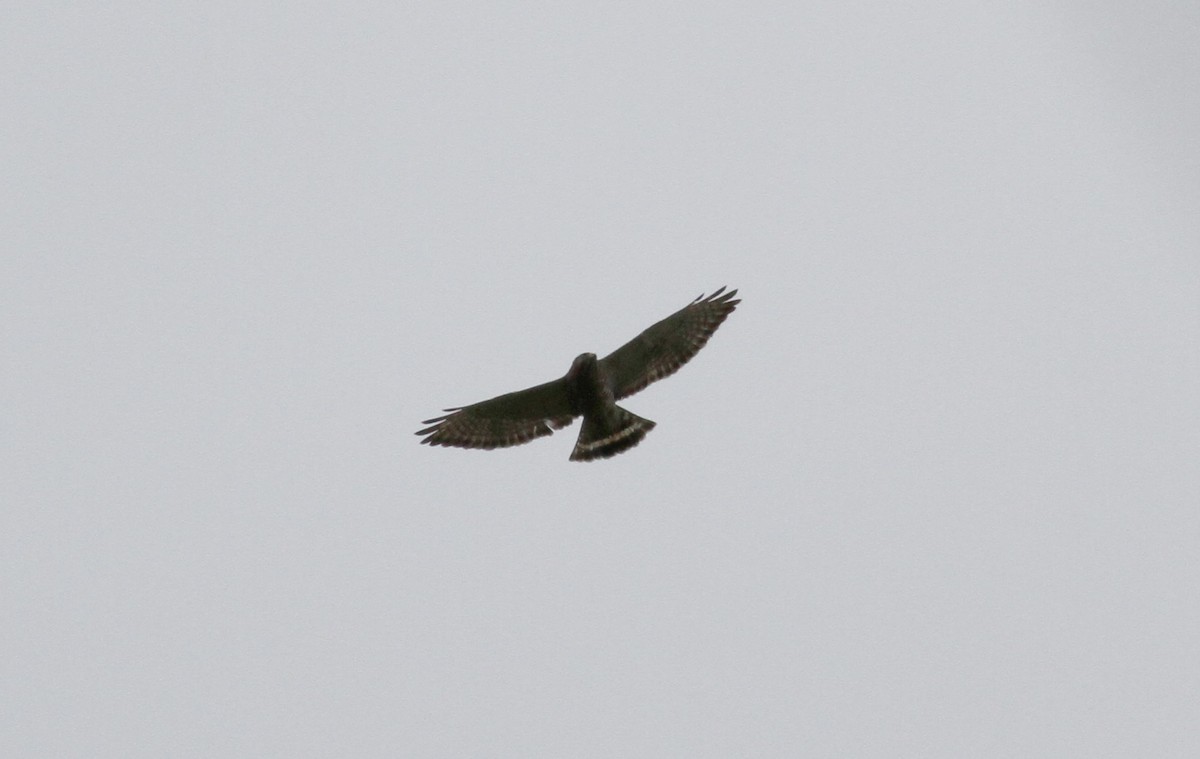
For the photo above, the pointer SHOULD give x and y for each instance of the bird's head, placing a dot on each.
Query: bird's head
(582, 363)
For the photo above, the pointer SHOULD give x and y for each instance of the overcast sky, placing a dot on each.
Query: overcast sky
(931, 491)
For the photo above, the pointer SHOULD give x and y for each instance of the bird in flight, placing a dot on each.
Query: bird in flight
(590, 388)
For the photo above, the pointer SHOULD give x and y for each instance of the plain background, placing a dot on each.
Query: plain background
(931, 491)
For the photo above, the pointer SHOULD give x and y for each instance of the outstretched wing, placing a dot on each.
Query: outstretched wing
(662, 349)
(505, 420)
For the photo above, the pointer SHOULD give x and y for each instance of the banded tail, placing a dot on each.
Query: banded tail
(608, 433)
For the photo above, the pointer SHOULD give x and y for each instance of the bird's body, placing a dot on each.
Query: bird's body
(607, 428)
(590, 388)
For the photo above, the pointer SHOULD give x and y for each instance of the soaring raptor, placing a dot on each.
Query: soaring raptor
(589, 389)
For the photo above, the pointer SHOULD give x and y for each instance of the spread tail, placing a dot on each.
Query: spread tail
(608, 433)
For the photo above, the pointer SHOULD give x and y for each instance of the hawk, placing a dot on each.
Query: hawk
(590, 388)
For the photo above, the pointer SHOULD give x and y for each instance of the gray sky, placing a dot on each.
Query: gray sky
(931, 491)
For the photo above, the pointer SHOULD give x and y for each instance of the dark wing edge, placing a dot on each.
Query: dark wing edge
(503, 421)
(666, 346)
